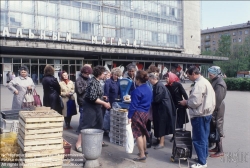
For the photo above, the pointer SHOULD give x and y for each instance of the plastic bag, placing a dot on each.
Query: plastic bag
(129, 139)
(116, 106)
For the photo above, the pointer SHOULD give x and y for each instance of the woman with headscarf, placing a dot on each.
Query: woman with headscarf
(51, 90)
(178, 93)
(67, 91)
(19, 86)
(163, 110)
(217, 122)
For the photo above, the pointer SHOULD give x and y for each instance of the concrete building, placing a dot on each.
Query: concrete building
(68, 34)
(210, 37)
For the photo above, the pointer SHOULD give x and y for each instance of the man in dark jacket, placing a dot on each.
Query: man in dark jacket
(81, 85)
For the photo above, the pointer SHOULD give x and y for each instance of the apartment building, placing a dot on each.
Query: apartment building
(210, 37)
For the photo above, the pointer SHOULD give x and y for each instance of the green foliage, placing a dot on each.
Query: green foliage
(239, 56)
(242, 84)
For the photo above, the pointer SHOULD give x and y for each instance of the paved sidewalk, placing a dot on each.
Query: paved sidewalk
(236, 143)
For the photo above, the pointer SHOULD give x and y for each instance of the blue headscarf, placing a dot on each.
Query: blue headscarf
(214, 70)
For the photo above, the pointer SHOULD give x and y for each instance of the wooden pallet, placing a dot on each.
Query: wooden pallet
(56, 164)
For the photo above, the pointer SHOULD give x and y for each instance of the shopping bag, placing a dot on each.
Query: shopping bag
(71, 107)
(28, 99)
(106, 121)
(37, 100)
(129, 139)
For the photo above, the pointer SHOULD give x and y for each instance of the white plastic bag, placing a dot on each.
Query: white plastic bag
(129, 139)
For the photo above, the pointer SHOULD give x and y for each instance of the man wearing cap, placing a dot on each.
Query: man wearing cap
(217, 122)
(201, 104)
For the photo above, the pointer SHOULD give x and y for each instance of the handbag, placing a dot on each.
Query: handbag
(37, 100)
(71, 107)
(61, 102)
(129, 139)
(28, 99)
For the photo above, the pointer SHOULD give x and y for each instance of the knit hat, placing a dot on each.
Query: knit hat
(214, 70)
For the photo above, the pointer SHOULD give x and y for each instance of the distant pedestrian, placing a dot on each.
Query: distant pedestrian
(8, 77)
(201, 104)
(217, 122)
(13, 75)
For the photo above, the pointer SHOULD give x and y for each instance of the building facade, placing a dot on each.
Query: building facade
(210, 37)
(68, 34)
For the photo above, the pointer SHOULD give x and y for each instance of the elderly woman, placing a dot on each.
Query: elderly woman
(92, 111)
(67, 91)
(178, 93)
(163, 110)
(112, 91)
(217, 122)
(138, 113)
(19, 86)
(51, 90)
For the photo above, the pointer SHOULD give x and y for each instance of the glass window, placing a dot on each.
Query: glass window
(25, 60)
(3, 4)
(86, 27)
(42, 61)
(50, 61)
(64, 11)
(51, 9)
(57, 61)
(15, 19)
(27, 21)
(34, 60)
(240, 33)
(239, 40)
(75, 26)
(42, 7)
(71, 61)
(78, 61)
(65, 2)
(51, 23)
(15, 5)
(246, 31)
(27, 6)
(64, 61)
(16, 60)
(75, 13)
(7, 60)
(4, 18)
(76, 4)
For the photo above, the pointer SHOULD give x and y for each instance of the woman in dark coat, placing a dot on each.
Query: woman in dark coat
(178, 93)
(51, 90)
(94, 100)
(217, 122)
(163, 110)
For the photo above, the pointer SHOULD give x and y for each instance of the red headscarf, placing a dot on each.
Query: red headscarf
(172, 78)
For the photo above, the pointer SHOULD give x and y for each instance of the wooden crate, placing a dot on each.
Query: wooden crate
(40, 119)
(41, 156)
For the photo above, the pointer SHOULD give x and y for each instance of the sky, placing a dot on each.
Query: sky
(224, 13)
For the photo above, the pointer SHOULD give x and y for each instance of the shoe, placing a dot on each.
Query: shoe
(146, 153)
(213, 150)
(79, 149)
(104, 145)
(199, 166)
(143, 159)
(158, 147)
(69, 127)
(216, 155)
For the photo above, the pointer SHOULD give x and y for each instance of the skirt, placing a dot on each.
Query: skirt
(139, 122)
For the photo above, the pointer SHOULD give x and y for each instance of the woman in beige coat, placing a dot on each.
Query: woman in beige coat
(67, 91)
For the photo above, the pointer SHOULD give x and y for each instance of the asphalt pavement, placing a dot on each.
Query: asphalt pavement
(236, 142)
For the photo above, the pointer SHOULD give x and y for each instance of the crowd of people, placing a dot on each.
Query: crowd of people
(152, 103)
